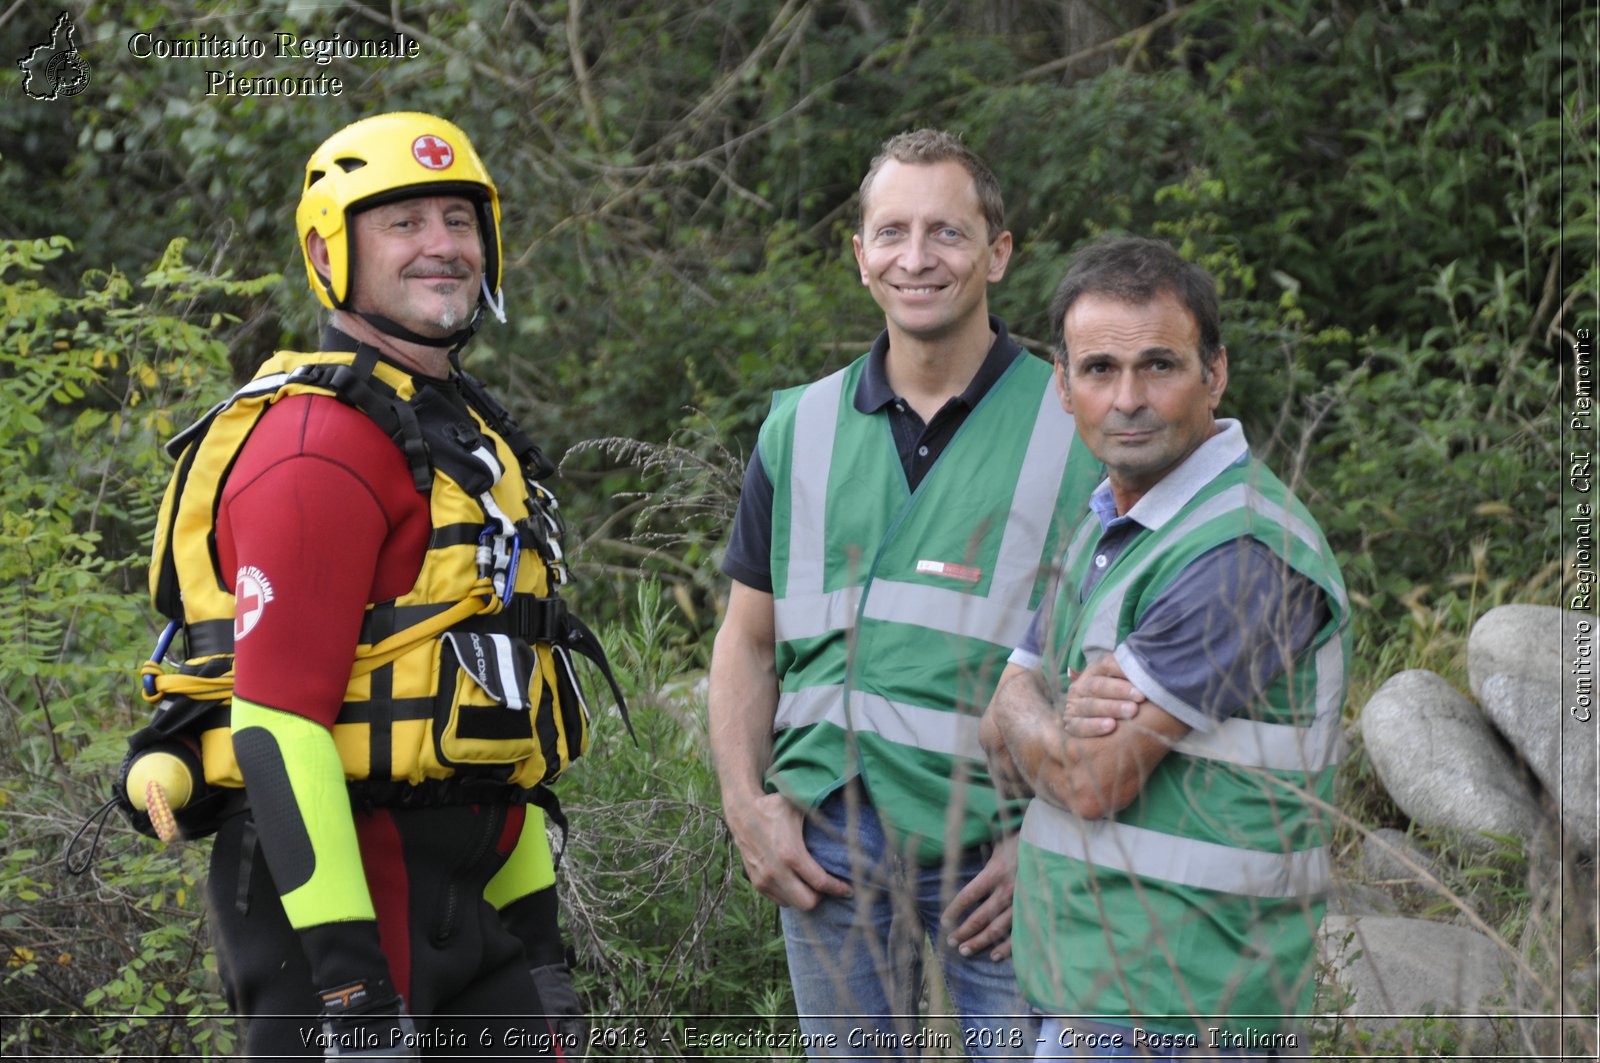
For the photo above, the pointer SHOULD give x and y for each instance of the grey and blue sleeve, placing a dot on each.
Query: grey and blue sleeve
(1222, 632)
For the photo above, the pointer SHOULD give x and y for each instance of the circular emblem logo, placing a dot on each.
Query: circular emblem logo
(432, 152)
(67, 74)
(252, 591)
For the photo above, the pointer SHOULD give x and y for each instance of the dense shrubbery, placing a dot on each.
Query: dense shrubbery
(96, 381)
(1396, 198)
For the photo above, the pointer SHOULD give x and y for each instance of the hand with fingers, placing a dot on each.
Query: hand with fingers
(770, 833)
(1098, 698)
(986, 904)
(1009, 780)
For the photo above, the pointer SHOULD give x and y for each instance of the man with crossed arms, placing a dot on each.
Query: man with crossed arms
(1173, 859)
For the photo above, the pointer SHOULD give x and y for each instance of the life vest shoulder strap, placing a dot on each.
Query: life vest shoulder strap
(204, 452)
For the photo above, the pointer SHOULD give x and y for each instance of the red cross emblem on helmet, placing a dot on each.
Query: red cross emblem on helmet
(432, 152)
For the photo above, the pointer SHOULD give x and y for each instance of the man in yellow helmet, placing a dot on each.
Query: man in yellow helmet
(363, 530)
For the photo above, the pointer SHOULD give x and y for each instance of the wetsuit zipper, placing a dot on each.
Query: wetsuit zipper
(491, 823)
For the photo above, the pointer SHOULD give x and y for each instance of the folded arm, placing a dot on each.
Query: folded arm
(1091, 776)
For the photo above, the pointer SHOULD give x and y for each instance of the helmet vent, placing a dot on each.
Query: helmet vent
(350, 165)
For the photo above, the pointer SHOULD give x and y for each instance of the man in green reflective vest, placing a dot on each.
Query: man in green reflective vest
(892, 540)
(1175, 708)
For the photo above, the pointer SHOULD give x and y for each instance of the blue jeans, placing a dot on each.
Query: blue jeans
(856, 962)
(1075, 1039)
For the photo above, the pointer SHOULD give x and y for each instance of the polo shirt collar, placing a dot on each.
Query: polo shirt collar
(873, 392)
(1175, 490)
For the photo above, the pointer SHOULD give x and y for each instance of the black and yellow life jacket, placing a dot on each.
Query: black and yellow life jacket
(463, 689)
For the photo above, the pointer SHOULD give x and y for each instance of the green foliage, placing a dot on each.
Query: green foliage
(1395, 196)
(651, 886)
(96, 381)
(1457, 432)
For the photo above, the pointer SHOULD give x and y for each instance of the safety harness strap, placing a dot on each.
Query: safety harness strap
(583, 641)
(355, 385)
(537, 466)
(481, 599)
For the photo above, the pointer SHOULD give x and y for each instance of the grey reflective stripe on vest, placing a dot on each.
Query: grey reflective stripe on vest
(1272, 746)
(1251, 743)
(1038, 481)
(809, 615)
(1300, 530)
(1002, 617)
(1263, 744)
(816, 422)
(951, 733)
(1331, 685)
(1101, 633)
(1105, 843)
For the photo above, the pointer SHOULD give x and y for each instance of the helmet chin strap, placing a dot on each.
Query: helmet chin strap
(455, 341)
(497, 306)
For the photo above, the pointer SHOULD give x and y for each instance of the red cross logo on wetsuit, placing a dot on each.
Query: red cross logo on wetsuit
(252, 592)
(432, 152)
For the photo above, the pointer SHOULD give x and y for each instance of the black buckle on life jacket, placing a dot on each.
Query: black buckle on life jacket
(538, 619)
(528, 618)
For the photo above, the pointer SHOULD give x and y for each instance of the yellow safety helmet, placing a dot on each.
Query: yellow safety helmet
(381, 159)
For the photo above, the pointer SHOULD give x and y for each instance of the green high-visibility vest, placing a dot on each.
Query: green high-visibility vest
(1198, 904)
(895, 609)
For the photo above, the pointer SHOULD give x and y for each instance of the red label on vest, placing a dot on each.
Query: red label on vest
(964, 573)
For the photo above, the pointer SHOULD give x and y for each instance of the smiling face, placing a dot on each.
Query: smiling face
(924, 251)
(1135, 383)
(418, 262)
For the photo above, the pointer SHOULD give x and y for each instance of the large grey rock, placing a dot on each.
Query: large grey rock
(1558, 747)
(1390, 857)
(1389, 966)
(1346, 897)
(1529, 641)
(1439, 759)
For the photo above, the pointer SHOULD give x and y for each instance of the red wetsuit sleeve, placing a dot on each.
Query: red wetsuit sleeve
(318, 517)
